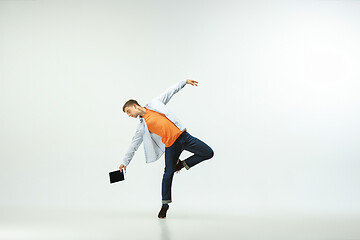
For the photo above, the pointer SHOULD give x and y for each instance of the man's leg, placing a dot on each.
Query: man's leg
(200, 149)
(172, 154)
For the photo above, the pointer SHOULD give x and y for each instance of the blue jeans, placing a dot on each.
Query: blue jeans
(184, 142)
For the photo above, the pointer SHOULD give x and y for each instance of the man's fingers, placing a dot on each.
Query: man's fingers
(193, 82)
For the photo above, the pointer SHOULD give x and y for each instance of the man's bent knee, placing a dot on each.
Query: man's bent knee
(209, 154)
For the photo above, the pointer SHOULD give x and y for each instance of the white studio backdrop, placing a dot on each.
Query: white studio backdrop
(278, 101)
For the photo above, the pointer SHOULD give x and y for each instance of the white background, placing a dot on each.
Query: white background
(278, 101)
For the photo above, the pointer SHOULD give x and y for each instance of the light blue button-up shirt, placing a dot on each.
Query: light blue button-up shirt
(154, 148)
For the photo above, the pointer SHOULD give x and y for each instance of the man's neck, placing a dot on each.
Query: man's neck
(142, 111)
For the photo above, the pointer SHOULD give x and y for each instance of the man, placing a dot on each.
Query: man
(161, 131)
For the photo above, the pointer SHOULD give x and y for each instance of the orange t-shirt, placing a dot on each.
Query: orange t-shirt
(159, 124)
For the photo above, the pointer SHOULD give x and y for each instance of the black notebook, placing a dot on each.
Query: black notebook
(116, 176)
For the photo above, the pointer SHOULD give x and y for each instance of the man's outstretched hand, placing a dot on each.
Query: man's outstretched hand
(122, 167)
(192, 82)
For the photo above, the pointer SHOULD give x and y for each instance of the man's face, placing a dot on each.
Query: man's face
(132, 111)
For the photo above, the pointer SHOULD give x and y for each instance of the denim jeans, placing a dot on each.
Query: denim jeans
(184, 142)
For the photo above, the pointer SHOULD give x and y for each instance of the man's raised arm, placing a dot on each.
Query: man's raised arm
(167, 95)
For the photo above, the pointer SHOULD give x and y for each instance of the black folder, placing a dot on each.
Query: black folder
(116, 176)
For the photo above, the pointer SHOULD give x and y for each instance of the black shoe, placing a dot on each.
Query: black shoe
(163, 210)
(179, 166)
